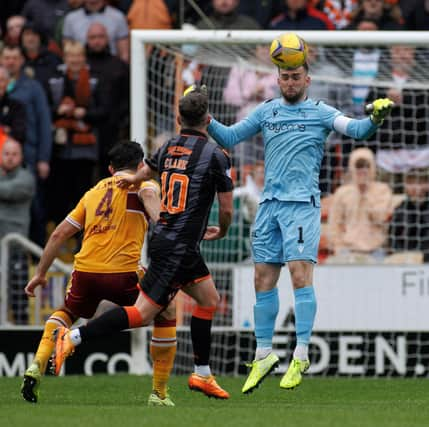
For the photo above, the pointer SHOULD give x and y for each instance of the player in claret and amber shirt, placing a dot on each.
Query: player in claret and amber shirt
(114, 222)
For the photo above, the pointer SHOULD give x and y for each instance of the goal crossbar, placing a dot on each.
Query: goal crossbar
(326, 38)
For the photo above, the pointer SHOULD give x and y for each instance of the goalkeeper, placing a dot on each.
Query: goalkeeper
(287, 225)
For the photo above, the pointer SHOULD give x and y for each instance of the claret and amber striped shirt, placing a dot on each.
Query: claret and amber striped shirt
(114, 222)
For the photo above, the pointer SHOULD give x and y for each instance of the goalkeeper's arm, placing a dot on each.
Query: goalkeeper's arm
(228, 136)
(364, 128)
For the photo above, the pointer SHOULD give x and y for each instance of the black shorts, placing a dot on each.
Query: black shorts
(172, 266)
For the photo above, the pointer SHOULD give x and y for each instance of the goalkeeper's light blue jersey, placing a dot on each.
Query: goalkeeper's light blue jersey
(294, 138)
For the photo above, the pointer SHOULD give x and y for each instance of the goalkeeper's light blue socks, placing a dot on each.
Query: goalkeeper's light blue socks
(305, 312)
(265, 312)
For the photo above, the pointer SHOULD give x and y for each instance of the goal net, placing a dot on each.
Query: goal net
(348, 71)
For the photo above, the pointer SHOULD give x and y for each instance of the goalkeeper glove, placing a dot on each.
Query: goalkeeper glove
(379, 109)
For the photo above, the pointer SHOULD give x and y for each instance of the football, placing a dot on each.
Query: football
(288, 51)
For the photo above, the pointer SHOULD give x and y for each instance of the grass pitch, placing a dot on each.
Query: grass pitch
(120, 401)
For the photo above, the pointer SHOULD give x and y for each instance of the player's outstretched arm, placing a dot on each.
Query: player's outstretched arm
(228, 136)
(63, 232)
(364, 128)
(143, 174)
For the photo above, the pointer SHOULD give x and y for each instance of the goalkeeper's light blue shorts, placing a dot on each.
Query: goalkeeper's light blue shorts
(286, 231)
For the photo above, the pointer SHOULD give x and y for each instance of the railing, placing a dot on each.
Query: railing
(57, 293)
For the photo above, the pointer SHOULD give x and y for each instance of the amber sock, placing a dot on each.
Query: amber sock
(46, 345)
(163, 352)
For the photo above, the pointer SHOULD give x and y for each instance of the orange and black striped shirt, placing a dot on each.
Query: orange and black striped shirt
(192, 170)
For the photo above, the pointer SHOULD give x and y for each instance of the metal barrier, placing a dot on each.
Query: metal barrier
(58, 275)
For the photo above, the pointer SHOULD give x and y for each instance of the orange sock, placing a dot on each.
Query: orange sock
(163, 352)
(135, 319)
(46, 345)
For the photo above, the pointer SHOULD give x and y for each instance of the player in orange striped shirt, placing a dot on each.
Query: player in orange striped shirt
(193, 172)
(114, 222)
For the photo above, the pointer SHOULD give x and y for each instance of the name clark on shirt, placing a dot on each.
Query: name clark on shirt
(175, 164)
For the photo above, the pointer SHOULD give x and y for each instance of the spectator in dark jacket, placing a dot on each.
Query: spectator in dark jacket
(37, 149)
(114, 75)
(402, 142)
(38, 143)
(300, 15)
(407, 127)
(386, 15)
(12, 112)
(409, 228)
(416, 14)
(40, 63)
(226, 17)
(262, 11)
(44, 14)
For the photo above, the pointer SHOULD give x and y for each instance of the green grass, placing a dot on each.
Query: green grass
(120, 401)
